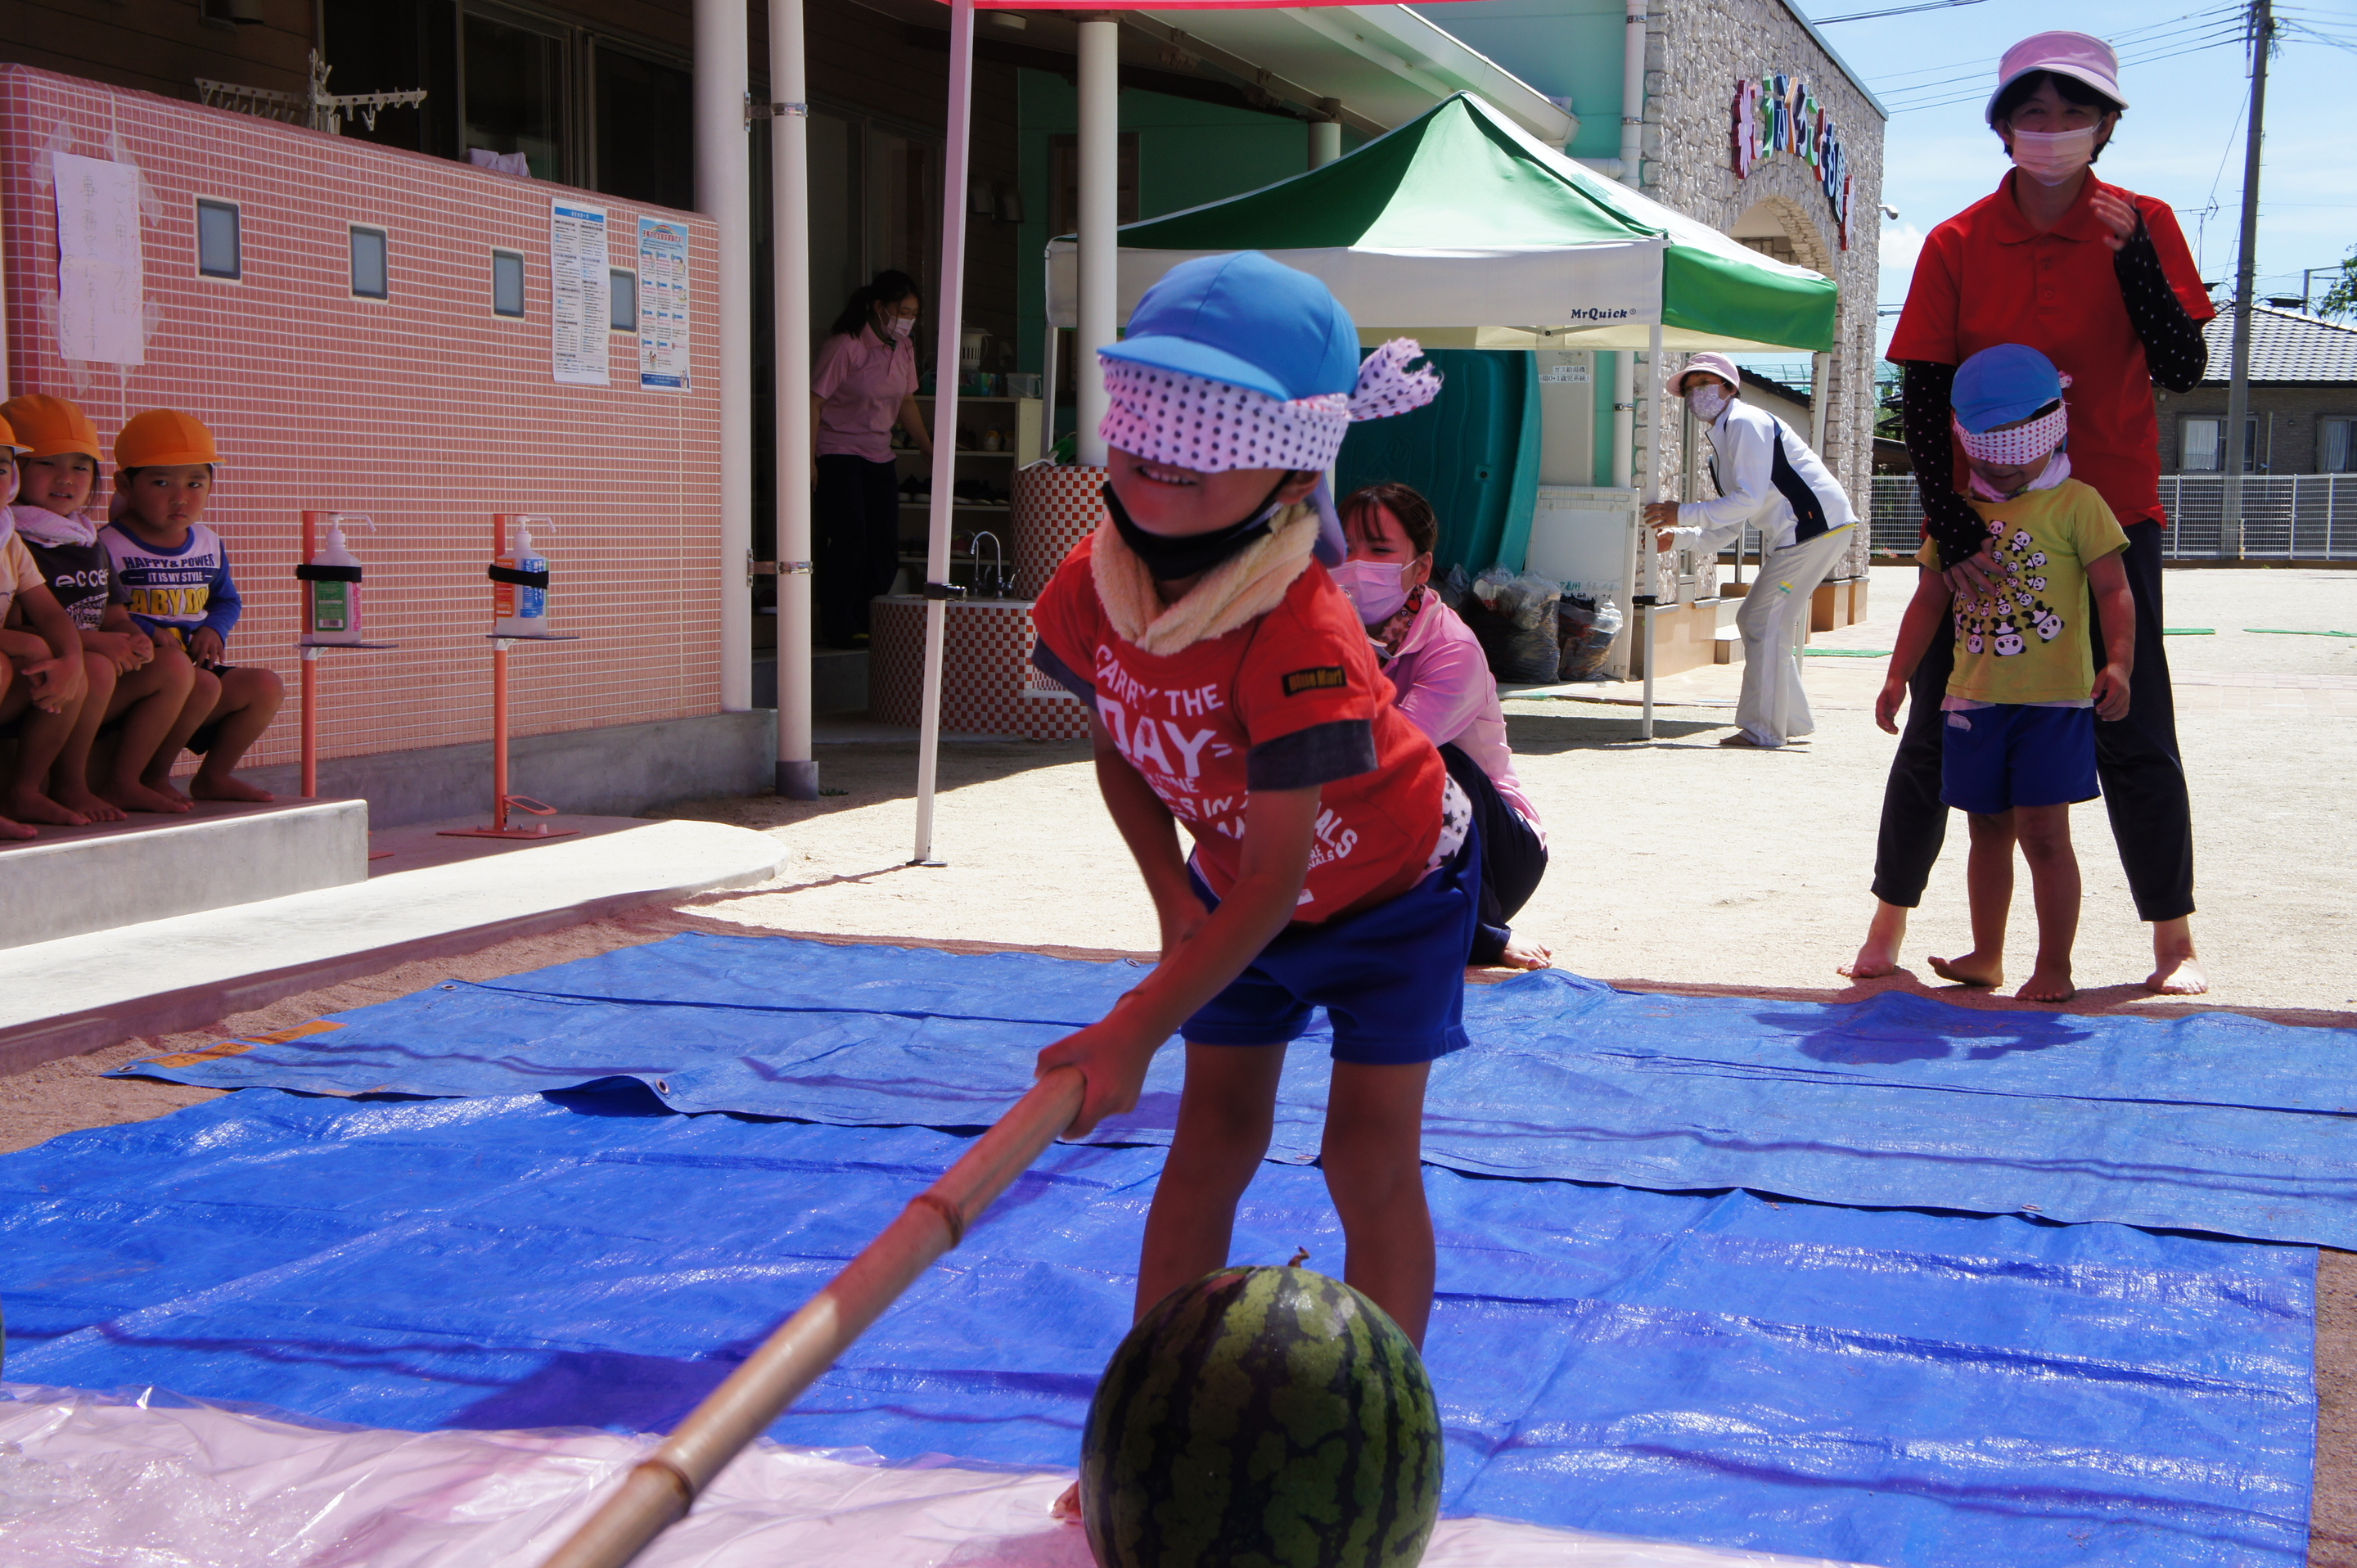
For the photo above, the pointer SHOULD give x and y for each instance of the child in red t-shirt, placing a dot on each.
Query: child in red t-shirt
(1234, 691)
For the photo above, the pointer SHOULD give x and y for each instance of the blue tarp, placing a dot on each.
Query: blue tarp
(1892, 1387)
(2218, 1123)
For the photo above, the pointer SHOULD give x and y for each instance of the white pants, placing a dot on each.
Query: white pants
(1773, 707)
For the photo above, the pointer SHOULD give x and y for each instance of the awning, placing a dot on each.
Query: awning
(1463, 230)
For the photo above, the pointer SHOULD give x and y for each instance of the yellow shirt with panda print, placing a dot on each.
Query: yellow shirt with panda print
(2033, 641)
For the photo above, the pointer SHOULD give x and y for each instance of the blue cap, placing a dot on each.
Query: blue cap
(1999, 385)
(1246, 320)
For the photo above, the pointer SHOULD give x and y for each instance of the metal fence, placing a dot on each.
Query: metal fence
(2297, 517)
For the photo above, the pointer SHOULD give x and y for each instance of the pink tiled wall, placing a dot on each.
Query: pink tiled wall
(427, 411)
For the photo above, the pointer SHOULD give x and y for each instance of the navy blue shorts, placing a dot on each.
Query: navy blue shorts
(1992, 760)
(1392, 977)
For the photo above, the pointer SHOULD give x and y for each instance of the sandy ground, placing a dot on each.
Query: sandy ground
(1678, 864)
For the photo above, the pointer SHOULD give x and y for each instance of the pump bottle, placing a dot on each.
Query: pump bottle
(521, 609)
(331, 600)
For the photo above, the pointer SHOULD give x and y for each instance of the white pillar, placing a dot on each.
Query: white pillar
(1325, 142)
(723, 193)
(1624, 420)
(797, 777)
(1100, 146)
(1632, 96)
(951, 309)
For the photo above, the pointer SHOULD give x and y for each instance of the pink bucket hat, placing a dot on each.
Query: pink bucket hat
(1719, 365)
(2081, 56)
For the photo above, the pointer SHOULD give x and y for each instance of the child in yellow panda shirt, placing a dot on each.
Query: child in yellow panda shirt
(2018, 746)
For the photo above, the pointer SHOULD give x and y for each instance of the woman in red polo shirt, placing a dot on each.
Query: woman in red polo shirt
(2099, 280)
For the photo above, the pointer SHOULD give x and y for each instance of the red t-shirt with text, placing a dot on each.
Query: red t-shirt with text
(1291, 699)
(1986, 278)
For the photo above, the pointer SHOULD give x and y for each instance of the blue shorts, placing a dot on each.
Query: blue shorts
(1992, 760)
(1391, 978)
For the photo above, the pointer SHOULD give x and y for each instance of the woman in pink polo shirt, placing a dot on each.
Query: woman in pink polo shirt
(864, 384)
(1442, 683)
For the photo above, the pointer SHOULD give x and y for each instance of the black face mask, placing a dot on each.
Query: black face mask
(1167, 558)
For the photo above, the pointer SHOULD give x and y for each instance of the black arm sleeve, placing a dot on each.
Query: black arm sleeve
(1924, 389)
(2174, 345)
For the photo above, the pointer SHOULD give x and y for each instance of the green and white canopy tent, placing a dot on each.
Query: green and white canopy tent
(1461, 231)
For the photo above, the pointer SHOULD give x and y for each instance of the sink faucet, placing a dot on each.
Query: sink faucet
(995, 585)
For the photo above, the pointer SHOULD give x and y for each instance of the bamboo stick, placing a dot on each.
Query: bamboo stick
(664, 1485)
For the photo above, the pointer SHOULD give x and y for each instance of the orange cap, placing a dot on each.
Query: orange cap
(49, 426)
(9, 436)
(163, 435)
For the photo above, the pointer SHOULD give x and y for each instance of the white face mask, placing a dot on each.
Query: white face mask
(2049, 158)
(1374, 587)
(1708, 403)
(902, 327)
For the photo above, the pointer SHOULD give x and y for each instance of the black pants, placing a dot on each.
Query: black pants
(857, 517)
(1512, 857)
(2137, 760)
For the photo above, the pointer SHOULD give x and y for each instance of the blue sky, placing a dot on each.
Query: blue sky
(2185, 75)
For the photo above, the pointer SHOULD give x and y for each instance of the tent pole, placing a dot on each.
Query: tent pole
(1048, 391)
(1624, 419)
(724, 192)
(797, 776)
(952, 314)
(1100, 262)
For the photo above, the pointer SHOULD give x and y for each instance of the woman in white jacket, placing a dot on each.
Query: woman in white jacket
(1768, 479)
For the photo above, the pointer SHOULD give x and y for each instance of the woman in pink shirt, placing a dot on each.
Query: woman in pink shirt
(1444, 686)
(864, 384)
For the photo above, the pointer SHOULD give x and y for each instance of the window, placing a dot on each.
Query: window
(220, 253)
(515, 100)
(2336, 453)
(371, 276)
(2201, 439)
(507, 283)
(645, 119)
(623, 300)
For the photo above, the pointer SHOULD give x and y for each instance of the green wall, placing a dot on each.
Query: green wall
(1565, 48)
(1187, 154)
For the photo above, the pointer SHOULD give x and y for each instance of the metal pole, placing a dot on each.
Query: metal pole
(945, 415)
(1100, 225)
(500, 646)
(664, 1484)
(797, 776)
(723, 192)
(2238, 394)
(310, 790)
(1325, 142)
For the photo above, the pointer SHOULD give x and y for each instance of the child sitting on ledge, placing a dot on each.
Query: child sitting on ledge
(173, 571)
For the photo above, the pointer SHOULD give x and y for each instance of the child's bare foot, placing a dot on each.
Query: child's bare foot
(2174, 971)
(1973, 969)
(14, 829)
(91, 807)
(1878, 955)
(228, 787)
(140, 798)
(30, 805)
(1522, 954)
(2046, 985)
(1068, 1505)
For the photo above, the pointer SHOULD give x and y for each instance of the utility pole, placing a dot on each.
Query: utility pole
(2238, 394)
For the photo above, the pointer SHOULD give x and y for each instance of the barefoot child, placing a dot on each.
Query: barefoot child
(43, 680)
(1234, 691)
(151, 683)
(173, 571)
(2018, 746)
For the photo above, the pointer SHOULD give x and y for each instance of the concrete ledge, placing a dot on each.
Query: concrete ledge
(618, 771)
(60, 998)
(74, 880)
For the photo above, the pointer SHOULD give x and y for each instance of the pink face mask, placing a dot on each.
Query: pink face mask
(2049, 158)
(1374, 588)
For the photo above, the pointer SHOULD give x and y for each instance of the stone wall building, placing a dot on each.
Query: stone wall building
(1697, 52)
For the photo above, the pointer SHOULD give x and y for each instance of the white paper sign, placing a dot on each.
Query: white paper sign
(101, 272)
(581, 314)
(663, 304)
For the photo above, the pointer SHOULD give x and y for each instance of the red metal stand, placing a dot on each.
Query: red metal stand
(501, 800)
(312, 522)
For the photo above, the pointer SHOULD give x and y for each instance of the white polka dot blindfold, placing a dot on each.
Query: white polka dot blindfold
(2022, 444)
(1211, 427)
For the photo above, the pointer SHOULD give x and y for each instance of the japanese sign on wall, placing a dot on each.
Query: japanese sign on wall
(663, 304)
(1777, 114)
(580, 312)
(101, 268)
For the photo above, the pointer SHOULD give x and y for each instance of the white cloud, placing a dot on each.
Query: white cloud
(1901, 243)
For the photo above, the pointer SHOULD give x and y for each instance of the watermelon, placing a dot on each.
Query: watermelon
(1262, 1418)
